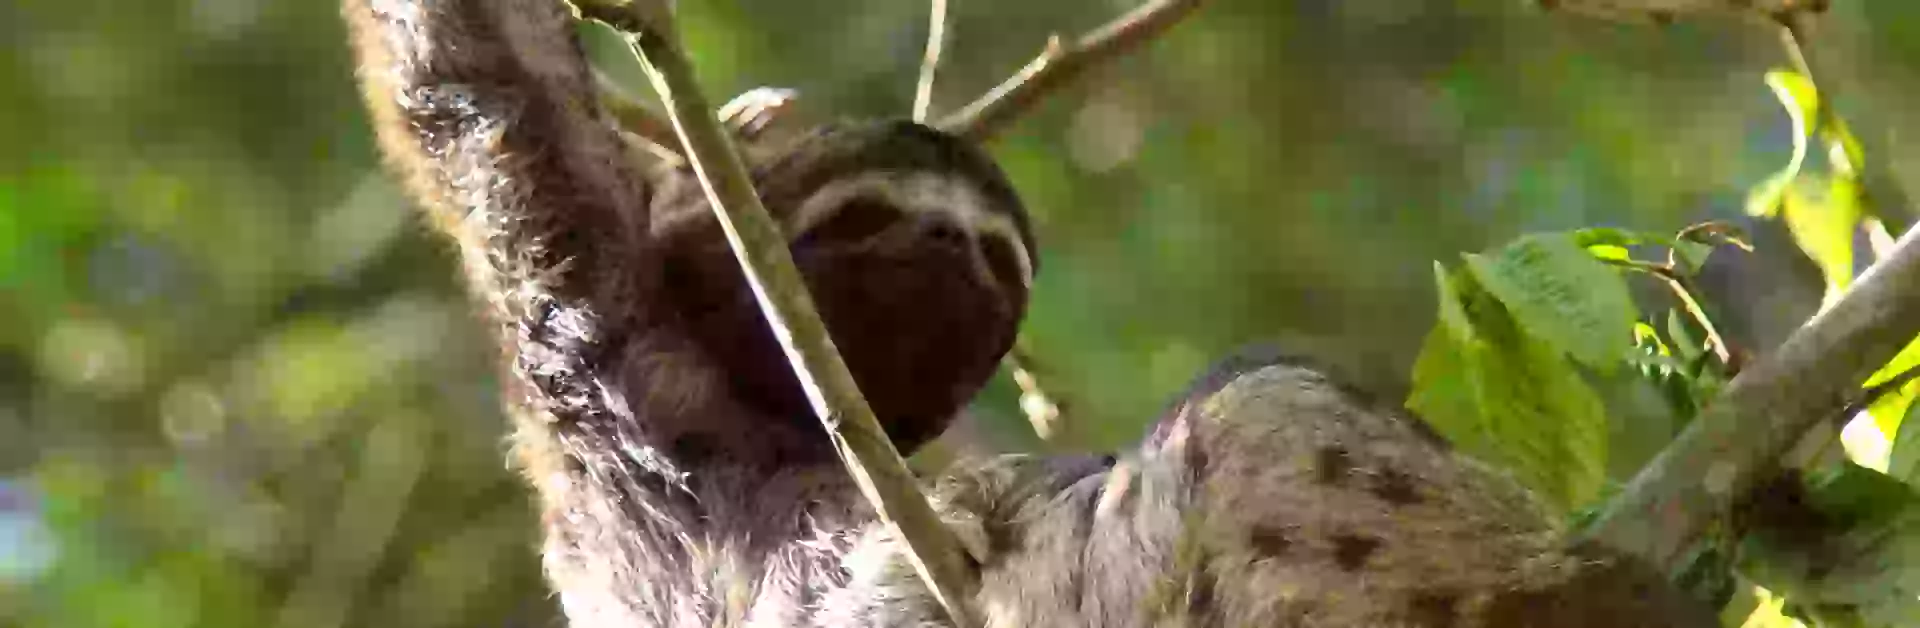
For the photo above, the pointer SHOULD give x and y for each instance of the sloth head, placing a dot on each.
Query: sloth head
(919, 257)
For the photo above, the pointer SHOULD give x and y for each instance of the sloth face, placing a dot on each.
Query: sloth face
(918, 255)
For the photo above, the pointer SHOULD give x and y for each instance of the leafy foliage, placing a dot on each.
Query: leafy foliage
(1499, 373)
(1528, 332)
(187, 190)
(1560, 294)
(1843, 548)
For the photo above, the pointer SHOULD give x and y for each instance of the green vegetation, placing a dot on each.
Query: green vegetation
(238, 388)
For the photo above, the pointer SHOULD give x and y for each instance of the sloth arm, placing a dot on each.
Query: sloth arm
(487, 110)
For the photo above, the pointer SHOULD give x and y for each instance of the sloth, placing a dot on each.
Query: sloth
(683, 480)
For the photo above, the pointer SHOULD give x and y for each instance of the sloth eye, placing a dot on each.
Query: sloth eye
(856, 220)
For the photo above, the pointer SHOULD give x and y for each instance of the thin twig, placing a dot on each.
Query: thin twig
(1873, 394)
(760, 246)
(1684, 289)
(930, 64)
(1820, 441)
(1059, 63)
(1042, 409)
(1744, 434)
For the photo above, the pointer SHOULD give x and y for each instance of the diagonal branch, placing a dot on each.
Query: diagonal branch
(632, 116)
(1683, 289)
(760, 246)
(1739, 440)
(1060, 63)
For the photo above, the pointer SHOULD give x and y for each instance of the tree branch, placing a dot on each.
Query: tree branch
(930, 64)
(1742, 436)
(632, 116)
(1059, 63)
(1043, 410)
(760, 246)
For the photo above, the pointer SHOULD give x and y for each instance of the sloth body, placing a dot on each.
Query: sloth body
(684, 482)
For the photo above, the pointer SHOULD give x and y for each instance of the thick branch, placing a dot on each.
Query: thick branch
(1060, 63)
(1741, 437)
(760, 246)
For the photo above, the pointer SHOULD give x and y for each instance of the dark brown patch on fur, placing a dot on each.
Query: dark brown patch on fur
(1610, 591)
(1395, 487)
(695, 448)
(1434, 609)
(1270, 541)
(1332, 464)
(1200, 597)
(1351, 551)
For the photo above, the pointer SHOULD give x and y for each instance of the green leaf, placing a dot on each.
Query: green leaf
(1442, 383)
(1608, 252)
(1651, 354)
(1507, 397)
(1846, 553)
(1765, 198)
(1823, 216)
(1690, 256)
(1796, 94)
(1845, 150)
(1898, 416)
(1888, 410)
(1443, 393)
(1646, 408)
(1683, 341)
(1904, 461)
(1562, 295)
(1854, 495)
(1550, 426)
(1453, 312)
(1608, 236)
(1645, 336)
(1662, 365)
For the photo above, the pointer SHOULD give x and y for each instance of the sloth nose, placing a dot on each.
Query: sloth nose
(941, 232)
(943, 235)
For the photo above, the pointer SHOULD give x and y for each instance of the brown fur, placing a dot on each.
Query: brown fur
(683, 484)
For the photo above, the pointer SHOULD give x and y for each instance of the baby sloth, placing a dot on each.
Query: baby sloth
(684, 481)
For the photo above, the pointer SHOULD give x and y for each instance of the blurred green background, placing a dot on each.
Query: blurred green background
(239, 388)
